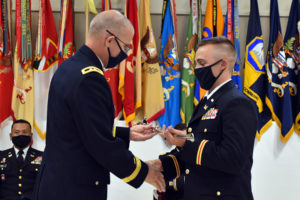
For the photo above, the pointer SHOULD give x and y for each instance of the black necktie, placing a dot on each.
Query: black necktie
(20, 157)
(203, 100)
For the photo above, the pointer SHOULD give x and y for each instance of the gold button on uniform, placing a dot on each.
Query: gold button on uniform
(187, 171)
(20, 185)
(21, 170)
(20, 193)
(20, 177)
(2, 169)
(97, 183)
(205, 130)
(190, 129)
(36, 169)
(212, 100)
(218, 193)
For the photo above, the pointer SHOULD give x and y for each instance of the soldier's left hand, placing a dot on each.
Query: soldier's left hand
(171, 136)
(142, 132)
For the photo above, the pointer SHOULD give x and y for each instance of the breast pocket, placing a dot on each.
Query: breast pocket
(6, 168)
(209, 129)
(34, 168)
(92, 177)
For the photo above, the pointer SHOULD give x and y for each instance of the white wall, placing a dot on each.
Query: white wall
(276, 168)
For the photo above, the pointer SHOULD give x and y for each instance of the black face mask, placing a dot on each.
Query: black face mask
(205, 76)
(113, 61)
(21, 141)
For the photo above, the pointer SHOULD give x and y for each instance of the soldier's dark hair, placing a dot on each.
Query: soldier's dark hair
(217, 40)
(222, 45)
(180, 126)
(21, 121)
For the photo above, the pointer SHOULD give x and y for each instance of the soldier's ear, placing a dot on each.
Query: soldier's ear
(224, 63)
(10, 136)
(109, 40)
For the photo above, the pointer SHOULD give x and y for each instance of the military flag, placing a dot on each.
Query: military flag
(66, 38)
(278, 88)
(152, 92)
(164, 7)
(89, 6)
(174, 16)
(106, 5)
(188, 75)
(236, 78)
(23, 99)
(44, 65)
(228, 28)
(255, 76)
(213, 26)
(130, 85)
(6, 72)
(292, 50)
(170, 71)
(232, 32)
(297, 110)
(199, 20)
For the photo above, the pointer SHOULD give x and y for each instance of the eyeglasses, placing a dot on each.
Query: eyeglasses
(127, 47)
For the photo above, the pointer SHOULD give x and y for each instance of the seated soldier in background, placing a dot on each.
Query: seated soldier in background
(174, 188)
(19, 165)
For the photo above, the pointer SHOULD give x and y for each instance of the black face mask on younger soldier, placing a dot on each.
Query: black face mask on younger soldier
(21, 141)
(205, 76)
(113, 61)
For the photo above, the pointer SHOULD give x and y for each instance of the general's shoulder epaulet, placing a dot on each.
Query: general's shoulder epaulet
(91, 69)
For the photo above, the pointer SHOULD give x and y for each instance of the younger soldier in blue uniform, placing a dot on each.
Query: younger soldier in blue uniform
(19, 165)
(82, 143)
(216, 156)
(174, 187)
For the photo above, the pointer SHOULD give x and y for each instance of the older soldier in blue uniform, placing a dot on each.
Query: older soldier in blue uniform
(19, 165)
(216, 153)
(82, 143)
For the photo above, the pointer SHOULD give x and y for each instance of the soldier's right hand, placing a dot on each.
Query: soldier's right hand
(156, 178)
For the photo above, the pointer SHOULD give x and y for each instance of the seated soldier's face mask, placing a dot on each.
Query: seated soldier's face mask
(205, 76)
(21, 141)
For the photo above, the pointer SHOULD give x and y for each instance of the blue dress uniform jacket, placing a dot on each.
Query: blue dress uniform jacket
(18, 181)
(217, 164)
(82, 144)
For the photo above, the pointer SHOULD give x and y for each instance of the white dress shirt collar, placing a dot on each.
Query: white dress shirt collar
(101, 63)
(209, 94)
(24, 150)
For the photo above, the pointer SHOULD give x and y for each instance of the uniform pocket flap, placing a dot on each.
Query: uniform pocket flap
(88, 176)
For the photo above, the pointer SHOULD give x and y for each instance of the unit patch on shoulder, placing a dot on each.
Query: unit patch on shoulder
(210, 114)
(91, 69)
